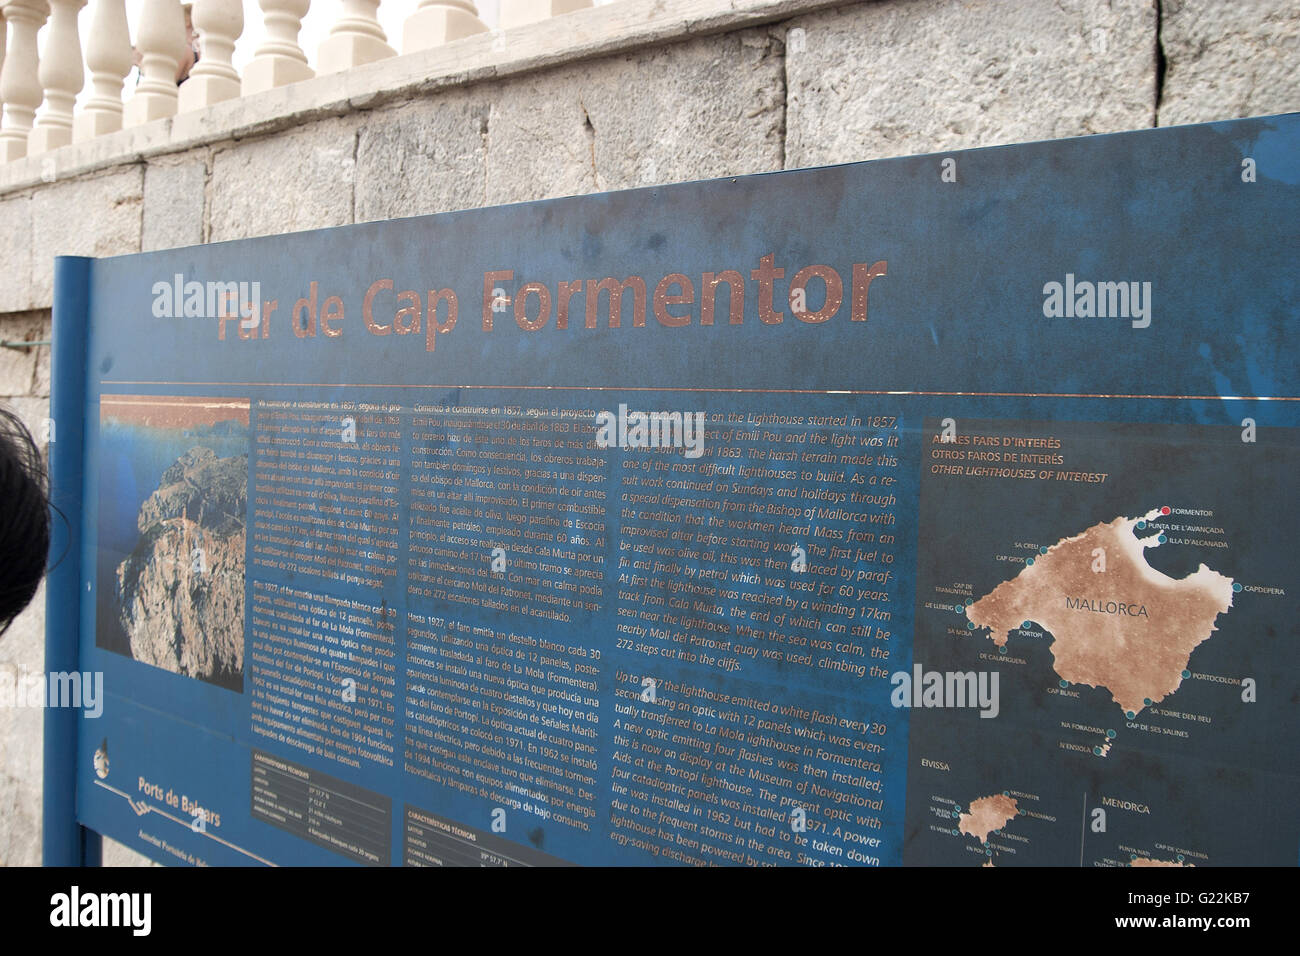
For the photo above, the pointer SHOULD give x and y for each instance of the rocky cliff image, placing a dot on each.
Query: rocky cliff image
(180, 592)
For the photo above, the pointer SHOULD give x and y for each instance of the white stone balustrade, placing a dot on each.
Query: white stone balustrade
(20, 86)
(516, 13)
(436, 22)
(214, 78)
(61, 75)
(279, 60)
(162, 43)
(108, 57)
(38, 89)
(355, 39)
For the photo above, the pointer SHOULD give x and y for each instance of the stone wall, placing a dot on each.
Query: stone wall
(632, 94)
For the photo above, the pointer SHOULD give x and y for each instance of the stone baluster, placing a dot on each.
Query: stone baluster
(61, 76)
(436, 22)
(20, 86)
(279, 60)
(214, 78)
(355, 39)
(515, 13)
(108, 56)
(162, 42)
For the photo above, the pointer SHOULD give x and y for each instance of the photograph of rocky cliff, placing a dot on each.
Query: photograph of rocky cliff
(172, 582)
(181, 592)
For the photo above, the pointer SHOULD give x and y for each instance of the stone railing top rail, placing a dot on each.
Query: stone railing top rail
(35, 150)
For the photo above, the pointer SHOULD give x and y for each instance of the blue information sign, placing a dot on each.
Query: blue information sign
(932, 510)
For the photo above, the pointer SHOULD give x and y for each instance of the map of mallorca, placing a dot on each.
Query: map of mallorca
(1116, 622)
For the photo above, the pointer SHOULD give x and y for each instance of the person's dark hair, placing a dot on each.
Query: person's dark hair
(24, 517)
